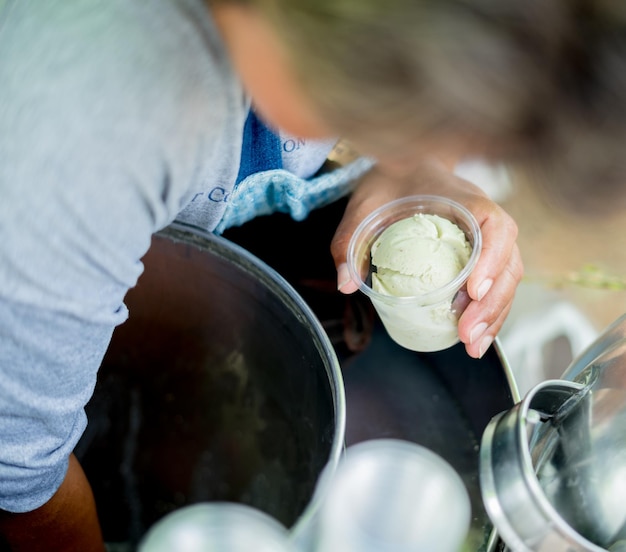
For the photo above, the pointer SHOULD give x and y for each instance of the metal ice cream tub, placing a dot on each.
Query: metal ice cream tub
(221, 386)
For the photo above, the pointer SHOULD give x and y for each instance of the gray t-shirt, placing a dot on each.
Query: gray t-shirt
(115, 116)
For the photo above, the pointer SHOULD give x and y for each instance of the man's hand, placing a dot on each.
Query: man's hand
(493, 282)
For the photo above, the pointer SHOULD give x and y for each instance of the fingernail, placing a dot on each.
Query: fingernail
(343, 276)
(484, 345)
(484, 287)
(477, 331)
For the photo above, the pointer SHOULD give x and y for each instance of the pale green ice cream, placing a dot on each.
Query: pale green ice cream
(417, 255)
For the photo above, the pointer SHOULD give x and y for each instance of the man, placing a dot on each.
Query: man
(118, 117)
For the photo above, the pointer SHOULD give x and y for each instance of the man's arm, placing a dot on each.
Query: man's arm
(68, 522)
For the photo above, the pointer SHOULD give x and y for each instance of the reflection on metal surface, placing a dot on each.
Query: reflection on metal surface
(393, 495)
(217, 526)
(553, 468)
(440, 400)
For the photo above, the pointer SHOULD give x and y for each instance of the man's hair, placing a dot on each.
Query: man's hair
(547, 77)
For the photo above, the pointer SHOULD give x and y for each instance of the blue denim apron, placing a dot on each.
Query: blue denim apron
(263, 187)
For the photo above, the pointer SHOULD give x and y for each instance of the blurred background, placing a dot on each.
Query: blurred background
(574, 283)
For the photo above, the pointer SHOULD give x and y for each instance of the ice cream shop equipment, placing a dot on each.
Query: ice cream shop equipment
(221, 386)
(248, 406)
(553, 468)
(385, 495)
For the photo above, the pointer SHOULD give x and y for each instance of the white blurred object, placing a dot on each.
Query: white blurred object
(527, 340)
(217, 527)
(389, 495)
(493, 179)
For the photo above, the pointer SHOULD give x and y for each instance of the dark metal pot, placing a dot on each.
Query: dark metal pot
(222, 385)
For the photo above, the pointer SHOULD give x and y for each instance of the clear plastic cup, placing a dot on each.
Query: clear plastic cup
(390, 495)
(217, 527)
(425, 322)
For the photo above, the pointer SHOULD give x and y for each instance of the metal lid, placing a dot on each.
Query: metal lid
(553, 468)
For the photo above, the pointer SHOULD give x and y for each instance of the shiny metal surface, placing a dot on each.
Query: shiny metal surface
(221, 386)
(216, 527)
(391, 495)
(553, 468)
(584, 469)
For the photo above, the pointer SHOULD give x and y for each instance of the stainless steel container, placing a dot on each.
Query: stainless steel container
(553, 468)
(222, 385)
